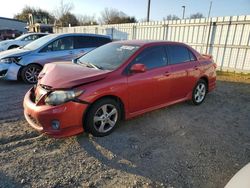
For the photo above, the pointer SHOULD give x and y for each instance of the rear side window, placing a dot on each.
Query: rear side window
(191, 55)
(89, 41)
(179, 54)
(152, 57)
(32, 37)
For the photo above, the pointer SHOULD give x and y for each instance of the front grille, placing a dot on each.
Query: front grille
(32, 95)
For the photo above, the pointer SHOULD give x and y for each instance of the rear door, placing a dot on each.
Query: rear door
(84, 44)
(184, 70)
(150, 88)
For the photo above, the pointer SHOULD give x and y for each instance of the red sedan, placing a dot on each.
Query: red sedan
(117, 81)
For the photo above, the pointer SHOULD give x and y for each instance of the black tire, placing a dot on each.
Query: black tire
(199, 92)
(95, 111)
(30, 73)
(13, 46)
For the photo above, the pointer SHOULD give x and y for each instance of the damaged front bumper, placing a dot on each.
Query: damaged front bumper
(9, 71)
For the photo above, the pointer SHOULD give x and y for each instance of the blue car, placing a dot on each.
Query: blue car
(26, 62)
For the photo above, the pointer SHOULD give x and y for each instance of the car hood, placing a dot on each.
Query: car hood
(64, 75)
(5, 42)
(17, 52)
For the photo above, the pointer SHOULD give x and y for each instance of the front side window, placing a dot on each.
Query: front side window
(37, 37)
(28, 38)
(34, 45)
(179, 54)
(152, 57)
(61, 44)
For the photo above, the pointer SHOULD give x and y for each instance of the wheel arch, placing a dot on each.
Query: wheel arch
(114, 97)
(20, 70)
(13, 46)
(205, 78)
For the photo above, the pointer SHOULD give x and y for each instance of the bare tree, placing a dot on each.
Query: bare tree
(171, 17)
(63, 9)
(86, 20)
(113, 16)
(196, 15)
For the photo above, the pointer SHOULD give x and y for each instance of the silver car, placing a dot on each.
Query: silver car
(20, 41)
(26, 62)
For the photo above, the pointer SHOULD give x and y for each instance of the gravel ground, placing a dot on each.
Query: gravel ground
(179, 146)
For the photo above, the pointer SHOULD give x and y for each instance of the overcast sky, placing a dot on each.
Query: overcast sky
(137, 8)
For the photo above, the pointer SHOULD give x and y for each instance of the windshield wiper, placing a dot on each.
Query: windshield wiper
(91, 65)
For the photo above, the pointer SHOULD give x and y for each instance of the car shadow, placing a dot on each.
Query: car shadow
(181, 145)
(12, 82)
(144, 146)
(6, 181)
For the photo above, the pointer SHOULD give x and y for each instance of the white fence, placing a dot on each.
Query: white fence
(226, 38)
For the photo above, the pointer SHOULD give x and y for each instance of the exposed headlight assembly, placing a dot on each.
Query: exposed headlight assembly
(9, 60)
(60, 97)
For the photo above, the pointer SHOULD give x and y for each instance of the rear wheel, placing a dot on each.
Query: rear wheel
(102, 117)
(30, 73)
(199, 92)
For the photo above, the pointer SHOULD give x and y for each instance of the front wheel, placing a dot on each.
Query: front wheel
(13, 46)
(102, 117)
(199, 92)
(30, 73)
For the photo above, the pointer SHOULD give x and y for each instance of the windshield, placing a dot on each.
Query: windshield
(39, 42)
(109, 56)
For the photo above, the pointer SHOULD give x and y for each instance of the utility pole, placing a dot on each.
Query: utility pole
(148, 14)
(183, 12)
(210, 7)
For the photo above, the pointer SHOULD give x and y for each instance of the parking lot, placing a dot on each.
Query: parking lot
(179, 146)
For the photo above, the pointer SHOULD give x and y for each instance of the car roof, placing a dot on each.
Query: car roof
(147, 42)
(32, 33)
(81, 34)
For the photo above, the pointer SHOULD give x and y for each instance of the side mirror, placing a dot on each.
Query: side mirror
(74, 60)
(138, 68)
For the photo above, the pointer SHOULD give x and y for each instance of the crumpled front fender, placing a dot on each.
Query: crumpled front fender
(12, 73)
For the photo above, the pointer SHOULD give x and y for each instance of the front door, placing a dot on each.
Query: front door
(60, 50)
(149, 88)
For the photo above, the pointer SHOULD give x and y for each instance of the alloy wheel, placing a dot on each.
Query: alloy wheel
(31, 74)
(200, 92)
(105, 118)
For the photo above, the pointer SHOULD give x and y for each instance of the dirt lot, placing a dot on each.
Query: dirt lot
(179, 146)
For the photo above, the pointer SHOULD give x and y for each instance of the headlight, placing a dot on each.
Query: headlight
(60, 97)
(9, 60)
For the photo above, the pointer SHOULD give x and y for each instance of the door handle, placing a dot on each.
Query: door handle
(167, 73)
(196, 67)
